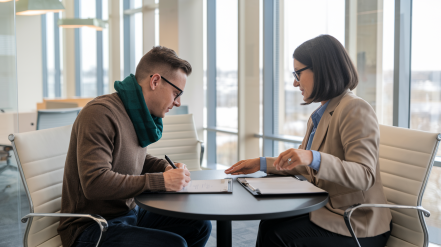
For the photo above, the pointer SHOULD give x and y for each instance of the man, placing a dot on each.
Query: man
(107, 162)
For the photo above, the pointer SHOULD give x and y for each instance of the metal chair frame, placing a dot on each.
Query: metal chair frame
(98, 219)
(421, 211)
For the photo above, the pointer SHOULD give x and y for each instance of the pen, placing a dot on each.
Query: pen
(170, 162)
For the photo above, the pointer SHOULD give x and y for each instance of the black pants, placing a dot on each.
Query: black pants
(299, 231)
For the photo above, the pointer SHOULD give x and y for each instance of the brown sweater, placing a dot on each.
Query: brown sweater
(105, 166)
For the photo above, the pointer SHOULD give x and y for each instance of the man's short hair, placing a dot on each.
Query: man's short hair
(160, 58)
(333, 69)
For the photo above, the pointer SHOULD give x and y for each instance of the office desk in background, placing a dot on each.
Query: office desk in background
(224, 208)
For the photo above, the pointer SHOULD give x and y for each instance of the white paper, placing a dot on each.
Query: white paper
(214, 185)
(283, 185)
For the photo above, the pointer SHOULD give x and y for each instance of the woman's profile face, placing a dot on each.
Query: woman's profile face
(306, 82)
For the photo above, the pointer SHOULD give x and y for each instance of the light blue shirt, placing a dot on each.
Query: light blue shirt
(316, 157)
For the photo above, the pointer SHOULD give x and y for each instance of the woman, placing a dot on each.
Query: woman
(338, 154)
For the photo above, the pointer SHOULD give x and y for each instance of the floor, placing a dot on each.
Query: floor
(244, 233)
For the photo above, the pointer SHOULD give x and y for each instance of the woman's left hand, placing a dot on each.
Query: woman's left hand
(291, 158)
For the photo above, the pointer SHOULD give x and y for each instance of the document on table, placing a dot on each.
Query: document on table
(279, 185)
(208, 186)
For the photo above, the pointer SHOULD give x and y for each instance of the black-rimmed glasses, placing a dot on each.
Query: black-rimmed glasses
(296, 73)
(180, 90)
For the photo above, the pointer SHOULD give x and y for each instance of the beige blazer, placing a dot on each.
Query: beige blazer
(348, 139)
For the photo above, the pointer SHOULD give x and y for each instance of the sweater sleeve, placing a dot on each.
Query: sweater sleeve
(153, 164)
(96, 129)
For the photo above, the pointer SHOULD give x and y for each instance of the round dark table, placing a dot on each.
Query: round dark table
(239, 205)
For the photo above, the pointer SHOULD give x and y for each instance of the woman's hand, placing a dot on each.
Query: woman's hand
(291, 158)
(244, 167)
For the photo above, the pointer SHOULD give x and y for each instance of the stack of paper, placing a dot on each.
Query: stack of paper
(215, 185)
(282, 185)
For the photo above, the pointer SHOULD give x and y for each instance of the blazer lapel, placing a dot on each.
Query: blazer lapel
(322, 128)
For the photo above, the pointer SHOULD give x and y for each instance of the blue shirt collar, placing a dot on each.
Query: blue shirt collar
(317, 115)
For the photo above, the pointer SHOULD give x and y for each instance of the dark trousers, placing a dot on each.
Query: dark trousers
(299, 231)
(142, 228)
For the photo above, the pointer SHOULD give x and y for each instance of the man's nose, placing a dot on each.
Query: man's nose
(177, 102)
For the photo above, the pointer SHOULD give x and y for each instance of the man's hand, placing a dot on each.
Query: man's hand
(178, 165)
(244, 167)
(291, 158)
(176, 179)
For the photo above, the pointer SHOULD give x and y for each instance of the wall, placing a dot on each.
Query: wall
(29, 58)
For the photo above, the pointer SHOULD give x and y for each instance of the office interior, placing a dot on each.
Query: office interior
(241, 90)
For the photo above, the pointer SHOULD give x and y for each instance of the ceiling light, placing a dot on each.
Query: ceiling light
(97, 24)
(38, 7)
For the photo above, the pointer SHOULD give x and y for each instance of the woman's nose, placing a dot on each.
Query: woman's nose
(296, 83)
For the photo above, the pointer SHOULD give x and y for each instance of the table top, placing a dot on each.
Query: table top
(239, 205)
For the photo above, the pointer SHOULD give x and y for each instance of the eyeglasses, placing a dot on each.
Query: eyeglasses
(180, 90)
(297, 72)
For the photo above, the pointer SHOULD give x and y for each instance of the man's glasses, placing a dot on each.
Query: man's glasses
(297, 72)
(180, 91)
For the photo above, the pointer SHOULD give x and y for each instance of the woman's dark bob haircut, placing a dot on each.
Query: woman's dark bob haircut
(333, 70)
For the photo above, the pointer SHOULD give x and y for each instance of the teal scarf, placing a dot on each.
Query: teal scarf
(148, 128)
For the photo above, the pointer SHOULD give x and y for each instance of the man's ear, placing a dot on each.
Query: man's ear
(154, 81)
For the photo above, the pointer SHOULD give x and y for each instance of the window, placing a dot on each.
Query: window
(91, 48)
(52, 42)
(226, 79)
(369, 43)
(133, 35)
(323, 17)
(425, 102)
(88, 51)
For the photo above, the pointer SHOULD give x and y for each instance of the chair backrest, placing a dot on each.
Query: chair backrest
(183, 109)
(179, 141)
(41, 156)
(406, 159)
(55, 118)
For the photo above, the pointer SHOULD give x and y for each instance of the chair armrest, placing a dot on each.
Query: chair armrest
(348, 213)
(202, 151)
(98, 219)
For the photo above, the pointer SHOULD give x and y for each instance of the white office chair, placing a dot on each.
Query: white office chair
(180, 142)
(406, 159)
(41, 156)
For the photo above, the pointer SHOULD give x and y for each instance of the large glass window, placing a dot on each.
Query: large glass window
(425, 104)
(226, 79)
(52, 53)
(105, 35)
(88, 51)
(364, 28)
(311, 19)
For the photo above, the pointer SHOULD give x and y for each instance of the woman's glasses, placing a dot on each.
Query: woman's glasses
(296, 73)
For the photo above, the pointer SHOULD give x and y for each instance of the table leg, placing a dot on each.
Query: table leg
(223, 235)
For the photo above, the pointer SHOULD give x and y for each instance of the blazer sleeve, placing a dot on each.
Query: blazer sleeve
(360, 138)
(299, 170)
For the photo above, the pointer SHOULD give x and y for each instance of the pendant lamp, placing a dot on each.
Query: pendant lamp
(38, 7)
(94, 23)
